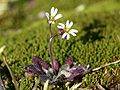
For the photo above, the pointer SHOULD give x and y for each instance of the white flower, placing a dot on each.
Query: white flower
(66, 30)
(53, 16)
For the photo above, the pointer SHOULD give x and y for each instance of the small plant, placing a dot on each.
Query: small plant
(55, 73)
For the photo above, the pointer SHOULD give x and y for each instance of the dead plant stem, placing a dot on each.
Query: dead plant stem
(12, 76)
(96, 69)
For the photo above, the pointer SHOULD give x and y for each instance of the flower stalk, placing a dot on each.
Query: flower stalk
(52, 17)
(50, 46)
(51, 33)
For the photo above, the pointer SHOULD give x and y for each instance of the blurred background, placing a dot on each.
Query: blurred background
(15, 14)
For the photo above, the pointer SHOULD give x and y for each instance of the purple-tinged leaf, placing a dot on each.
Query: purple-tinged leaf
(39, 63)
(31, 70)
(55, 65)
(76, 72)
(39, 70)
(44, 65)
(56, 73)
(69, 61)
(44, 77)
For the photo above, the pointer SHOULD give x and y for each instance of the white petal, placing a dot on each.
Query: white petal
(51, 22)
(58, 16)
(61, 26)
(73, 32)
(52, 10)
(69, 24)
(47, 15)
(55, 12)
(66, 36)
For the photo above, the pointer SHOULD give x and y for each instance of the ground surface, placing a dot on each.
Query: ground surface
(97, 43)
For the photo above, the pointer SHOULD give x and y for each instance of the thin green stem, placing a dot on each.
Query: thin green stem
(13, 78)
(51, 33)
(52, 36)
(50, 46)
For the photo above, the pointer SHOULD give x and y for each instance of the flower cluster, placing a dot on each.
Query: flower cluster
(56, 73)
(64, 29)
